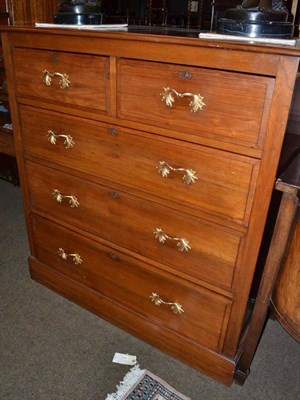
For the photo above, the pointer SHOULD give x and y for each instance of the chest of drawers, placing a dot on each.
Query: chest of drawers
(147, 165)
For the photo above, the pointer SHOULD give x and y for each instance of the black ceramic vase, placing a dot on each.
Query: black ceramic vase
(79, 12)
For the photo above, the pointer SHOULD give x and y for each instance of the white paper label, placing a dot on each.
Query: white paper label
(194, 6)
(126, 359)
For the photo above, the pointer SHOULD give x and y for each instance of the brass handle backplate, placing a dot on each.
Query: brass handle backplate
(63, 82)
(73, 201)
(68, 140)
(175, 307)
(162, 237)
(196, 103)
(75, 256)
(189, 175)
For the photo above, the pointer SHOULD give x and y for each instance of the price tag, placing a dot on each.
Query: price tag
(125, 359)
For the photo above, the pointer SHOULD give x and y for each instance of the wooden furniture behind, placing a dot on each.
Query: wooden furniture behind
(186, 13)
(147, 167)
(180, 13)
(8, 165)
(286, 294)
(285, 302)
(31, 11)
(6, 137)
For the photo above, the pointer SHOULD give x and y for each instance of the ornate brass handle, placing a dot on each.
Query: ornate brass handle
(182, 244)
(195, 104)
(59, 198)
(64, 81)
(75, 256)
(175, 307)
(164, 169)
(68, 140)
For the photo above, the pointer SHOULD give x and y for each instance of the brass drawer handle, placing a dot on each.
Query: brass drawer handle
(175, 307)
(164, 169)
(162, 237)
(60, 197)
(68, 140)
(195, 104)
(75, 256)
(64, 81)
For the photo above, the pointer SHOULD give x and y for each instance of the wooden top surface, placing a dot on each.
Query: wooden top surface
(187, 37)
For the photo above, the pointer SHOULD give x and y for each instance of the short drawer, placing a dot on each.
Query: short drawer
(222, 105)
(216, 182)
(174, 239)
(70, 79)
(195, 313)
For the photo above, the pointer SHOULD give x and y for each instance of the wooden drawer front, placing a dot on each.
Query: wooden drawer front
(223, 186)
(131, 222)
(234, 109)
(130, 283)
(87, 75)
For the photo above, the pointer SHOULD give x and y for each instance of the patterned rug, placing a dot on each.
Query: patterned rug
(143, 385)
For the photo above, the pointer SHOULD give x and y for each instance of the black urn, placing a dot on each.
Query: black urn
(79, 12)
(257, 18)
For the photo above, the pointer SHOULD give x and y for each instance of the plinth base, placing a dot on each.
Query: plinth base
(255, 29)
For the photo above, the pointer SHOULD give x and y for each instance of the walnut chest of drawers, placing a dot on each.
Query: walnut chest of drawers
(147, 164)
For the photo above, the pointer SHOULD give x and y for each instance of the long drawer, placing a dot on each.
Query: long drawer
(200, 102)
(75, 80)
(217, 182)
(195, 313)
(181, 242)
